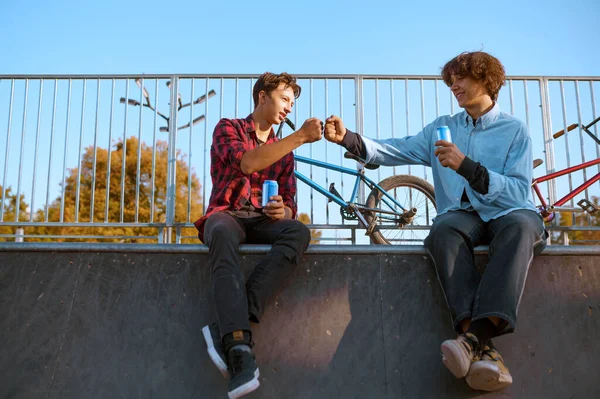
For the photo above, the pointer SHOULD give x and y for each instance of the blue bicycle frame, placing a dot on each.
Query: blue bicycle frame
(359, 176)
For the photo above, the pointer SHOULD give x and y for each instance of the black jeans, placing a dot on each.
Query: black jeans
(514, 239)
(237, 303)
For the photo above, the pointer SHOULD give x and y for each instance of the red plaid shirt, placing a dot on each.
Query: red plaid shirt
(231, 187)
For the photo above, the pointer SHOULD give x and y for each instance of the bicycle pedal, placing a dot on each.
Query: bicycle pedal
(333, 191)
(588, 206)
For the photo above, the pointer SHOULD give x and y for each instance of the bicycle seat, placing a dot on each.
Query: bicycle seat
(537, 162)
(349, 155)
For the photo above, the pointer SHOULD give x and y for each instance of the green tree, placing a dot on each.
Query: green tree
(581, 219)
(127, 212)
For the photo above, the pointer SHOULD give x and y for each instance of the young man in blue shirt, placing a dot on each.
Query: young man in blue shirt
(482, 186)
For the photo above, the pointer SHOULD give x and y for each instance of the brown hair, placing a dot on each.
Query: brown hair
(484, 68)
(269, 81)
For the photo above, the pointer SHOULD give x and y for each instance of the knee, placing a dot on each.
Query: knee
(297, 232)
(518, 224)
(442, 229)
(300, 232)
(218, 230)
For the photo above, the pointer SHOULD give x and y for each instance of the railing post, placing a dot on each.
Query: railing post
(565, 237)
(172, 158)
(548, 144)
(359, 111)
(19, 234)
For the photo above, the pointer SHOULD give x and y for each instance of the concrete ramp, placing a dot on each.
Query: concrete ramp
(124, 321)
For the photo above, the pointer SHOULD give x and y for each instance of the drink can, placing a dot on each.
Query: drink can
(269, 189)
(443, 133)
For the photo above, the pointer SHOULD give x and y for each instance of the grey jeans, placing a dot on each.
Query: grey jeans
(236, 301)
(514, 239)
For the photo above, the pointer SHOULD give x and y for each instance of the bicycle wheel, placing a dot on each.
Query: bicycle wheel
(412, 193)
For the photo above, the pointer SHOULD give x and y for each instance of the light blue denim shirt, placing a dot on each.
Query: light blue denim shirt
(499, 142)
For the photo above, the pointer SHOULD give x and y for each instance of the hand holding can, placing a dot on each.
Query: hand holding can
(443, 133)
(269, 189)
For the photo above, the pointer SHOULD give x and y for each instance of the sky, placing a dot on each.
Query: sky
(535, 37)
(531, 38)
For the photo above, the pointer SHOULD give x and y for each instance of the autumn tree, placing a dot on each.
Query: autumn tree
(123, 194)
(580, 219)
(9, 207)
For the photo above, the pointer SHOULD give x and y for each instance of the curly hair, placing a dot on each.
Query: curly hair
(484, 68)
(270, 81)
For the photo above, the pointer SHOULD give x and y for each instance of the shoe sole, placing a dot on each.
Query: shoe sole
(245, 389)
(454, 359)
(486, 376)
(212, 352)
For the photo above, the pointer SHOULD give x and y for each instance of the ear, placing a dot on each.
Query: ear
(261, 97)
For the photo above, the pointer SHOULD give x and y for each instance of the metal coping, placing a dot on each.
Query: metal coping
(247, 249)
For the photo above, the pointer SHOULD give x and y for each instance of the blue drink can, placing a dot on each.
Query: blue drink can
(443, 133)
(269, 189)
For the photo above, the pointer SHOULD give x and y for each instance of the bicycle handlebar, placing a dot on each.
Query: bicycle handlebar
(560, 133)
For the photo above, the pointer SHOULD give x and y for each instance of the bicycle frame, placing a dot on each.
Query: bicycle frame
(350, 205)
(548, 210)
(563, 172)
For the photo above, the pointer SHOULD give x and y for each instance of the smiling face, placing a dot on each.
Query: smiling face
(469, 92)
(277, 104)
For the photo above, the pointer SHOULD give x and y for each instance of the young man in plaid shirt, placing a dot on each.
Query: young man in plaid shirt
(245, 153)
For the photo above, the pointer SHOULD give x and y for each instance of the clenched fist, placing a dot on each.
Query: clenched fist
(311, 130)
(334, 129)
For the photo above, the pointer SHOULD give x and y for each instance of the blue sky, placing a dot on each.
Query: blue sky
(536, 37)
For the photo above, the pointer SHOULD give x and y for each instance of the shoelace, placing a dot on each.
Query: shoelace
(473, 346)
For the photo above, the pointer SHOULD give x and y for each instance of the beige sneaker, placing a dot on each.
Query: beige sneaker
(458, 354)
(489, 373)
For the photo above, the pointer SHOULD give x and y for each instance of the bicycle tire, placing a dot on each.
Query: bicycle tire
(416, 188)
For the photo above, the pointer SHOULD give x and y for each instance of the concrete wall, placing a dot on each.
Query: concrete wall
(100, 321)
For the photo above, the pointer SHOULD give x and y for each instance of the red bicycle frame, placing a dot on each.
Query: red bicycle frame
(548, 211)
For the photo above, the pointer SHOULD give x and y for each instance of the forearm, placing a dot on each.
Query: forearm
(354, 144)
(266, 155)
(476, 174)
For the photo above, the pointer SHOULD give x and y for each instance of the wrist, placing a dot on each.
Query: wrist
(299, 137)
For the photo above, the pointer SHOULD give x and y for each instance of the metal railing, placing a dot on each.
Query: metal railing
(66, 173)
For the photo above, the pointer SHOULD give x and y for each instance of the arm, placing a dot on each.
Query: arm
(284, 206)
(476, 174)
(396, 151)
(261, 157)
(511, 188)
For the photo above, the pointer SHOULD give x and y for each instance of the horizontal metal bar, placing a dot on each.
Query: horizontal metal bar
(552, 250)
(299, 76)
(26, 236)
(86, 224)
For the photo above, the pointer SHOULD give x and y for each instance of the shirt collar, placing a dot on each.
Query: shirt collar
(250, 124)
(484, 120)
(251, 129)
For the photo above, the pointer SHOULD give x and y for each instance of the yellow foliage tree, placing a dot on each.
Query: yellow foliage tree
(122, 195)
(9, 211)
(580, 237)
